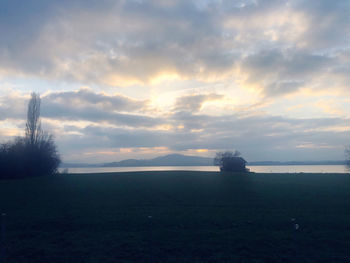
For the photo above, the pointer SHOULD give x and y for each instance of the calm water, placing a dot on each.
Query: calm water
(257, 169)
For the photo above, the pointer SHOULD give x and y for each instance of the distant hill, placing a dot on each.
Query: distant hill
(167, 160)
(78, 165)
(186, 160)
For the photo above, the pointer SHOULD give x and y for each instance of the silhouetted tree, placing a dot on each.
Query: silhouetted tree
(230, 162)
(35, 154)
(33, 125)
(12, 159)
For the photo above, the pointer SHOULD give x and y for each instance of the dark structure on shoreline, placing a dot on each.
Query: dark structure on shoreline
(233, 164)
(230, 162)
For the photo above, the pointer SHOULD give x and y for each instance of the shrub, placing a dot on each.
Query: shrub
(35, 154)
(230, 162)
(20, 159)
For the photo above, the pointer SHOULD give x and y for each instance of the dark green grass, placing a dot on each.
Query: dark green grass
(177, 217)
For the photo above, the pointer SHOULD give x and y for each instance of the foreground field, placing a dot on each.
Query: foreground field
(177, 217)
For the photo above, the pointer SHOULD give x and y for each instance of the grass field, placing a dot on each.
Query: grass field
(177, 217)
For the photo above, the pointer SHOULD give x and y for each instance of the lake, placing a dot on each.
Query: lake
(255, 168)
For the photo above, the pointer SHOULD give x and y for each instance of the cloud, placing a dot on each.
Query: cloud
(13, 106)
(122, 43)
(99, 44)
(328, 23)
(277, 138)
(89, 98)
(94, 107)
(278, 73)
(85, 121)
(83, 105)
(194, 103)
(214, 57)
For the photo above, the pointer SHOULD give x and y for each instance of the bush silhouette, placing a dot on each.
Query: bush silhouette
(35, 154)
(230, 162)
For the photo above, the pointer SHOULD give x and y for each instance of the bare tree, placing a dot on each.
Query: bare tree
(33, 125)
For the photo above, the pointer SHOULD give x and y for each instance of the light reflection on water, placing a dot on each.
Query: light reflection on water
(257, 169)
(299, 169)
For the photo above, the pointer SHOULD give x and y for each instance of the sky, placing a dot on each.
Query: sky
(140, 79)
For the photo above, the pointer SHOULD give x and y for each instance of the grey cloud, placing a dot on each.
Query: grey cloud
(193, 103)
(258, 138)
(274, 138)
(23, 22)
(102, 117)
(13, 107)
(83, 105)
(85, 97)
(132, 39)
(280, 88)
(325, 25)
(288, 64)
(104, 137)
(89, 106)
(190, 121)
(140, 138)
(328, 23)
(87, 41)
(284, 72)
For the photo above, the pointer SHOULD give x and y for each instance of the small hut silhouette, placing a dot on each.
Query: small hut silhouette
(233, 164)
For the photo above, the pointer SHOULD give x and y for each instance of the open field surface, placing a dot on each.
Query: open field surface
(177, 217)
